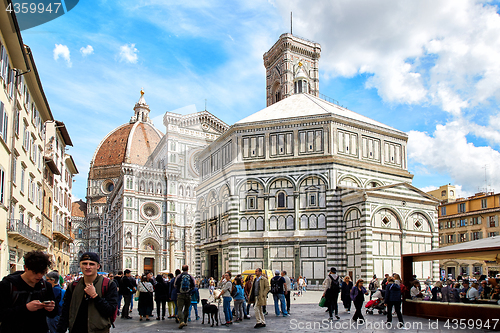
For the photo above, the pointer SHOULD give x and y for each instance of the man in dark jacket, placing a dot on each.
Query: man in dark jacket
(26, 300)
(89, 304)
(127, 289)
(393, 299)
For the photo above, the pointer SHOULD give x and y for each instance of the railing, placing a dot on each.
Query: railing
(27, 235)
(59, 228)
(329, 99)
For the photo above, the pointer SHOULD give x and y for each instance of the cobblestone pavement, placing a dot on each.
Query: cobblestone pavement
(306, 316)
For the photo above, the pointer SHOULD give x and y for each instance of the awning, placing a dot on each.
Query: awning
(482, 249)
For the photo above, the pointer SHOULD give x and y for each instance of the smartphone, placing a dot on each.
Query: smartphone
(46, 302)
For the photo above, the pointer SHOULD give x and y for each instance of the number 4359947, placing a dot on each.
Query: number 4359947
(32, 8)
(462, 324)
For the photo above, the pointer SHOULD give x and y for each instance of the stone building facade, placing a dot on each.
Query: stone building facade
(305, 184)
(468, 219)
(141, 191)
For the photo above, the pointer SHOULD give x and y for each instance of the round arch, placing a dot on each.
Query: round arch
(309, 175)
(274, 179)
(222, 189)
(427, 217)
(349, 211)
(392, 210)
(371, 181)
(201, 203)
(354, 178)
(244, 181)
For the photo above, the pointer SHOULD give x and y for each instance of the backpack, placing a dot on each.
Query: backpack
(104, 288)
(185, 284)
(274, 286)
(14, 293)
(233, 290)
(371, 286)
(335, 285)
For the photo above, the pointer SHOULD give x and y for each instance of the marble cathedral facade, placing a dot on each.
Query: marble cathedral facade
(305, 184)
(141, 191)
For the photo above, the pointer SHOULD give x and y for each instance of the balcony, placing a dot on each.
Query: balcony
(61, 232)
(46, 227)
(25, 235)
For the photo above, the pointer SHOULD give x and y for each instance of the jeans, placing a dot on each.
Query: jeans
(238, 308)
(245, 311)
(131, 302)
(119, 303)
(52, 323)
(280, 298)
(227, 308)
(195, 307)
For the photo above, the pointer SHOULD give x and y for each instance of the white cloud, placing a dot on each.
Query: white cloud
(447, 151)
(445, 52)
(62, 51)
(85, 51)
(128, 53)
(428, 188)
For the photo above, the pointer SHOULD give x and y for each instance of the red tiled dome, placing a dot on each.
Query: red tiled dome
(130, 143)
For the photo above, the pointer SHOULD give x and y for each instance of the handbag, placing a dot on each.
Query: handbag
(322, 302)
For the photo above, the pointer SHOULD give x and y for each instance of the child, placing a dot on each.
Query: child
(195, 299)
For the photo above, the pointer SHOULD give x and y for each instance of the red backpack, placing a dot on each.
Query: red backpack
(104, 288)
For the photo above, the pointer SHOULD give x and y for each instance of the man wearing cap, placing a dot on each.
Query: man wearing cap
(278, 289)
(331, 292)
(88, 307)
(127, 289)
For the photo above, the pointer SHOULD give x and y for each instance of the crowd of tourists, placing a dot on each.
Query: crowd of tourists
(464, 290)
(36, 300)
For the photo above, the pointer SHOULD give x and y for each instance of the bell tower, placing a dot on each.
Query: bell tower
(291, 68)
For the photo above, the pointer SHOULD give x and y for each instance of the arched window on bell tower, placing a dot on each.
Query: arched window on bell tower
(301, 80)
(276, 93)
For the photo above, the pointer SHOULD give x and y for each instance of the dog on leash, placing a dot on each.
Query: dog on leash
(211, 310)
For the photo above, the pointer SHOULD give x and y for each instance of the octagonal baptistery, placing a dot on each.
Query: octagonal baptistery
(129, 143)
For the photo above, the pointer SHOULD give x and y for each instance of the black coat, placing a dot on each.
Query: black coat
(345, 291)
(127, 286)
(13, 313)
(161, 290)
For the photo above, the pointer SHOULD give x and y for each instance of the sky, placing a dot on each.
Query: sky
(428, 68)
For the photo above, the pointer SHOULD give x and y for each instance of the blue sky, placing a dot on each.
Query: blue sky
(429, 68)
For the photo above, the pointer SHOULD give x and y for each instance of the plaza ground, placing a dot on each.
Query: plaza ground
(306, 316)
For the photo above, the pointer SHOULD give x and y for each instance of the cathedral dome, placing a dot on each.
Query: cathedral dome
(128, 143)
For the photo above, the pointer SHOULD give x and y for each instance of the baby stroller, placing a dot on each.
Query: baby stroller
(376, 304)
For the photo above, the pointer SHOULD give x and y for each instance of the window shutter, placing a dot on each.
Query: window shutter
(1, 118)
(5, 126)
(496, 221)
(2, 51)
(479, 220)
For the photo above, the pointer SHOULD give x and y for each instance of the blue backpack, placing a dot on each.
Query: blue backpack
(185, 284)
